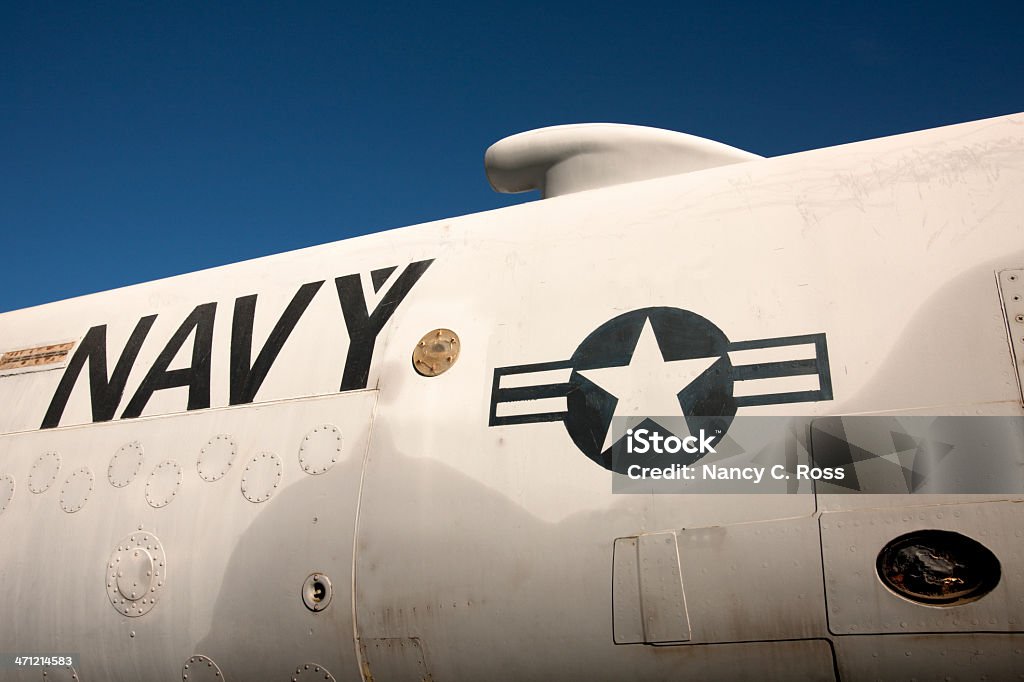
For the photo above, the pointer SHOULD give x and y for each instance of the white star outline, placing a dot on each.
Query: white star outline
(648, 387)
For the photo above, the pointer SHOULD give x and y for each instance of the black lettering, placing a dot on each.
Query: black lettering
(105, 394)
(246, 379)
(364, 326)
(196, 376)
(378, 277)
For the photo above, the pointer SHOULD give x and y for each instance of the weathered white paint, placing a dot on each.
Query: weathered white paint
(491, 547)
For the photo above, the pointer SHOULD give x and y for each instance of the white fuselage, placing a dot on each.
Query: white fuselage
(268, 425)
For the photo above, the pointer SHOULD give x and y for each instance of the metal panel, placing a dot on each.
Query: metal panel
(662, 601)
(627, 616)
(394, 659)
(931, 657)
(753, 581)
(648, 603)
(1011, 293)
(858, 603)
(231, 559)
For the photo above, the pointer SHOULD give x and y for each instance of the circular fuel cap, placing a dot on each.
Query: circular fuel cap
(436, 352)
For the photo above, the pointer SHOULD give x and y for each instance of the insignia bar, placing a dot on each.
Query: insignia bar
(658, 362)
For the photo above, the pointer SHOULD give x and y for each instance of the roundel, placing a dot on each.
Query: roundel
(668, 370)
(702, 388)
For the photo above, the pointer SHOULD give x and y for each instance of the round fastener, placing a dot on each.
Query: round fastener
(436, 352)
(137, 568)
(216, 457)
(65, 672)
(163, 484)
(125, 464)
(320, 449)
(261, 477)
(44, 472)
(6, 491)
(76, 490)
(203, 668)
(312, 671)
(317, 592)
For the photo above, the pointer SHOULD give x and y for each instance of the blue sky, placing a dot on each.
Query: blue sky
(140, 141)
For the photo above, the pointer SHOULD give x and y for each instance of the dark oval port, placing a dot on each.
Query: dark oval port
(319, 591)
(938, 568)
